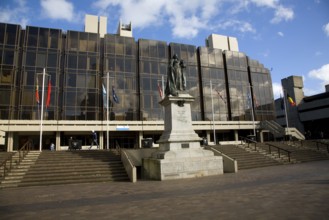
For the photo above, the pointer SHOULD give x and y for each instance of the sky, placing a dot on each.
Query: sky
(290, 37)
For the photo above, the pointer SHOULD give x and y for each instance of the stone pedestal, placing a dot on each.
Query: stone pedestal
(180, 154)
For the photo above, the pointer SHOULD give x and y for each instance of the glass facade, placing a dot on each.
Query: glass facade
(79, 64)
(42, 48)
(153, 64)
(212, 70)
(262, 91)
(81, 77)
(239, 92)
(9, 68)
(119, 70)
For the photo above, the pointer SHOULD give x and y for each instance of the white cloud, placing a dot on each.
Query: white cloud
(282, 13)
(321, 74)
(188, 18)
(277, 90)
(326, 29)
(58, 9)
(280, 34)
(17, 14)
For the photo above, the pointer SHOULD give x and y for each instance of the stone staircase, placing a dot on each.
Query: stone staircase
(15, 176)
(246, 158)
(303, 153)
(67, 167)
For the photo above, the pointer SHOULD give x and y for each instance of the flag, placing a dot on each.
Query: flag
(115, 97)
(37, 99)
(48, 94)
(160, 91)
(291, 101)
(104, 97)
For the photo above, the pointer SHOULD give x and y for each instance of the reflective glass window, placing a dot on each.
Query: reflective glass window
(41, 60)
(6, 76)
(54, 39)
(82, 62)
(119, 64)
(2, 33)
(81, 80)
(92, 43)
(8, 57)
(28, 97)
(72, 61)
(52, 60)
(32, 37)
(30, 78)
(43, 37)
(91, 81)
(73, 40)
(83, 41)
(30, 59)
(11, 34)
(71, 80)
(146, 83)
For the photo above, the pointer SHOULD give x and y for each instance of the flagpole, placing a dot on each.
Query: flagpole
(42, 100)
(285, 108)
(252, 111)
(213, 117)
(107, 110)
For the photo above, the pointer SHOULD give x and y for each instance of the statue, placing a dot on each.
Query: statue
(176, 79)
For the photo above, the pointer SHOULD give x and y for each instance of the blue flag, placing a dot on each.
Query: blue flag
(104, 97)
(115, 97)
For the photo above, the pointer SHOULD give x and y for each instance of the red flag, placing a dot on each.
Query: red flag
(160, 91)
(48, 94)
(37, 99)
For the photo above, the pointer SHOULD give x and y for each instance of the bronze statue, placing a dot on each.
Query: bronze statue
(176, 79)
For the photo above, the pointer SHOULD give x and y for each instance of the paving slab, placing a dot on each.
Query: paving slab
(299, 191)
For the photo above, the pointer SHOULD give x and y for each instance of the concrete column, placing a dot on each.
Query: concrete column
(58, 141)
(101, 141)
(208, 136)
(140, 137)
(10, 141)
(236, 135)
(261, 136)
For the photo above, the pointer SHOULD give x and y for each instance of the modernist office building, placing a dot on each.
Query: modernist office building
(78, 63)
(310, 115)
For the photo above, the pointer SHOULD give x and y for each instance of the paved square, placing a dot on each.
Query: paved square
(299, 191)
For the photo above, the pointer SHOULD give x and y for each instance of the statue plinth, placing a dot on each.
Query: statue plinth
(180, 154)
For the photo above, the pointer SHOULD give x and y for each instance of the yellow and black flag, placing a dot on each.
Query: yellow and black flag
(290, 100)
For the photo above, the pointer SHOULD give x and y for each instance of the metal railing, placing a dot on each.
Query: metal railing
(279, 149)
(318, 143)
(7, 164)
(249, 142)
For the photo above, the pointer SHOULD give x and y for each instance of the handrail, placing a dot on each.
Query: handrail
(21, 154)
(249, 141)
(320, 142)
(279, 149)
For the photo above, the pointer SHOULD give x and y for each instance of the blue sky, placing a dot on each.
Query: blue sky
(290, 37)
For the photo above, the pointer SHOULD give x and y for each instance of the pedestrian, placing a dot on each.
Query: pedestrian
(52, 146)
(94, 139)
